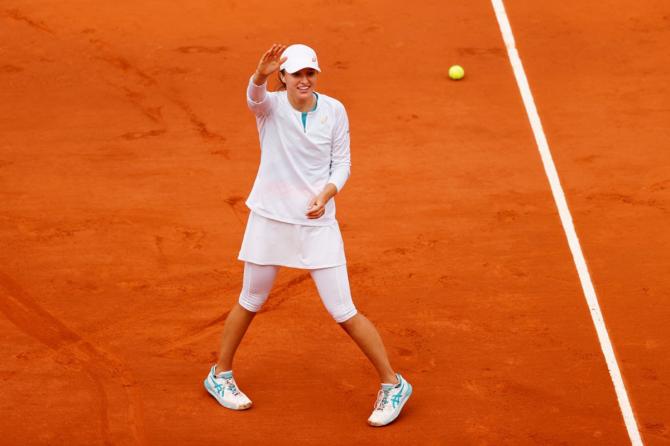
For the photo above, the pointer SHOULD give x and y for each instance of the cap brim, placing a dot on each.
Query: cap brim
(297, 67)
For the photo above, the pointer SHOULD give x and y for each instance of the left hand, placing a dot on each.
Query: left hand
(316, 207)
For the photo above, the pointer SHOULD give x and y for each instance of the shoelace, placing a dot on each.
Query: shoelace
(382, 399)
(230, 385)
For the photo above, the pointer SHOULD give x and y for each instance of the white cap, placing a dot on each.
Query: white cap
(299, 56)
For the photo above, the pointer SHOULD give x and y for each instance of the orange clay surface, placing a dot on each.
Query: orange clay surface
(126, 153)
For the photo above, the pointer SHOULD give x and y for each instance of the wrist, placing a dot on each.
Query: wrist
(259, 79)
(329, 191)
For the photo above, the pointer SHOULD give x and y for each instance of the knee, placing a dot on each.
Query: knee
(342, 317)
(251, 302)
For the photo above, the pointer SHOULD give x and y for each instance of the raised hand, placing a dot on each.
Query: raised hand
(271, 60)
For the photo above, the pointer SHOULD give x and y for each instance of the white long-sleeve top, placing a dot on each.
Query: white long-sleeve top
(297, 161)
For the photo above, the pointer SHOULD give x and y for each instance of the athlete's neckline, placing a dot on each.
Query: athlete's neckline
(316, 103)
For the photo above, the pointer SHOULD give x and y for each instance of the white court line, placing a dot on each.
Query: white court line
(568, 227)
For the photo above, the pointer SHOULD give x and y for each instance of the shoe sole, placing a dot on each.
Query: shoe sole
(402, 404)
(223, 403)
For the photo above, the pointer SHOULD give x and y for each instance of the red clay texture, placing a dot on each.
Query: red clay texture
(126, 154)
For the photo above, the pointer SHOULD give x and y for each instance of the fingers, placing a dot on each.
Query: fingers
(316, 211)
(275, 50)
(316, 207)
(269, 62)
(317, 215)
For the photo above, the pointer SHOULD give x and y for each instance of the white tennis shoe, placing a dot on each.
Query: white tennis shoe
(224, 388)
(390, 400)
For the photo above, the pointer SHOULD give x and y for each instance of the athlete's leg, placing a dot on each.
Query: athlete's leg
(257, 283)
(367, 337)
(333, 286)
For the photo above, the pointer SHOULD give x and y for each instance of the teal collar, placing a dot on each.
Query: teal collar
(317, 100)
(304, 114)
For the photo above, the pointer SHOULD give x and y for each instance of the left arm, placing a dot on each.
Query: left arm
(340, 158)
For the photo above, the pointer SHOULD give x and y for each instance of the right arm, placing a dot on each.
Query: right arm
(257, 97)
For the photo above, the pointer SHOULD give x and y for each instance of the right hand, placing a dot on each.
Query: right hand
(271, 61)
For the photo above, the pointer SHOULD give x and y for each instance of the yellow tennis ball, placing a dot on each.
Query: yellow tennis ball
(456, 72)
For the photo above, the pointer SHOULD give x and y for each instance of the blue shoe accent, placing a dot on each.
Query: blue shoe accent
(395, 401)
(217, 390)
(402, 392)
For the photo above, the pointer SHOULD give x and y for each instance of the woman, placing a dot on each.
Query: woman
(305, 161)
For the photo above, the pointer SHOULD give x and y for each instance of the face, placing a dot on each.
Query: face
(301, 84)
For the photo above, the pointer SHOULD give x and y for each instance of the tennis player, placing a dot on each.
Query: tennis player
(305, 162)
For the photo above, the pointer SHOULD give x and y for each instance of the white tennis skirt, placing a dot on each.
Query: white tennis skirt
(272, 242)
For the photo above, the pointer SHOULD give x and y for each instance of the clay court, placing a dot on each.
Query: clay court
(126, 154)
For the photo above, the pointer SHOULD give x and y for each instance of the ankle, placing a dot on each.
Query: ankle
(218, 369)
(390, 379)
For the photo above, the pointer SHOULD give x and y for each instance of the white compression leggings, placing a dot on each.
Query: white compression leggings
(332, 284)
